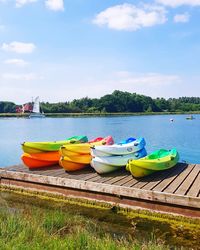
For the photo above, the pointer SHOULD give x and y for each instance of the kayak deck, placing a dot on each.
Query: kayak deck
(175, 190)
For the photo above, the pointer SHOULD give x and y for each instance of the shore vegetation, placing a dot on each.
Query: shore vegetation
(118, 102)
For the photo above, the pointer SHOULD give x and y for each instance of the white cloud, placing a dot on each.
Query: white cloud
(21, 77)
(151, 84)
(153, 79)
(56, 5)
(131, 18)
(20, 3)
(18, 47)
(15, 61)
(2, 27)
(182, 18)
(176, 3)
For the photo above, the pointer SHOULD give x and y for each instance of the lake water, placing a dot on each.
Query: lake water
(158, 131)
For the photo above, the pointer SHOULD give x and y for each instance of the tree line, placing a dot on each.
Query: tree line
(117, 102)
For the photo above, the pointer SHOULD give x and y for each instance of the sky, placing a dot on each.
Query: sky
(64, 50)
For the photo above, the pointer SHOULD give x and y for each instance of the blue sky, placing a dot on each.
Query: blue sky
(62, 50)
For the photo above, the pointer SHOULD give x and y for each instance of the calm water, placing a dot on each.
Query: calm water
(158, 131)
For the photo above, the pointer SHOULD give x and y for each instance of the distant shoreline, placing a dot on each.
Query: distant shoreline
(26, 115)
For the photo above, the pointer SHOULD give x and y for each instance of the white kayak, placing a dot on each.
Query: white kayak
(102, 168)
(119, 149)
(111, 163)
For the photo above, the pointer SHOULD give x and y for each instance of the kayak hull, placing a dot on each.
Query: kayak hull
(139, 172)
(39, 147)
(82, 159)
(102, 168)
(78, 156)
(71, 166)
(119, 149)
(106, 164)
(157, 161)
(39, 160)
(84, 148)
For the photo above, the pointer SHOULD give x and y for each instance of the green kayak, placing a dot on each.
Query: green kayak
(38, 147)
(158, 160)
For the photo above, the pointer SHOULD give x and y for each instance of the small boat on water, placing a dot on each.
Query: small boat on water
(107, 164)
(119, 149)
(49, 146)
(36, 109)
(191, 117)
(78, 156)
(158, 160)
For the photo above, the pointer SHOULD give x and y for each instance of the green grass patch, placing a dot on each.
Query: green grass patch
(31, 220)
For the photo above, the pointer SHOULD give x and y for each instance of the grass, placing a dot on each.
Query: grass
(32, 221)
(37, 228)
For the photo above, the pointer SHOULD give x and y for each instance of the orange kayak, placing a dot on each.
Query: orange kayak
(70, 165)
(37, 160)
(85, 159)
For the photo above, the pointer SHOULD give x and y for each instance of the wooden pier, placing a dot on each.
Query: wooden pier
(175, 190)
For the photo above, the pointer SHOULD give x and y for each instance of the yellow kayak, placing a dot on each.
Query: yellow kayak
(84, 148)
(83, 159)
(39, 147)
(158, 160)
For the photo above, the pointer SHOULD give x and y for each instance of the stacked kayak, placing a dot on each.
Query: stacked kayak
(113, 157)
(102, 154)
(42, 154)
(39, 147)
(78, 156)
(157, 161)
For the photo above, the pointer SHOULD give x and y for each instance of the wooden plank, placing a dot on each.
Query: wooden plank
(88, 176)
(186, 184)
(53, 172)
(153, 178)
(144, 181)
(161, 175)
(195, 187)
(116, 178)
(110, 180)
(179, 179)
(26, 170)
(109, 176)
(83, 174)
(23, 168)
(13, 167)
(18, 168)
(95, 178)
(47, 171)
(74, 175)
(131, 182)
(149, 182)
(123, 180)
(166, 182)
(104, 188)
